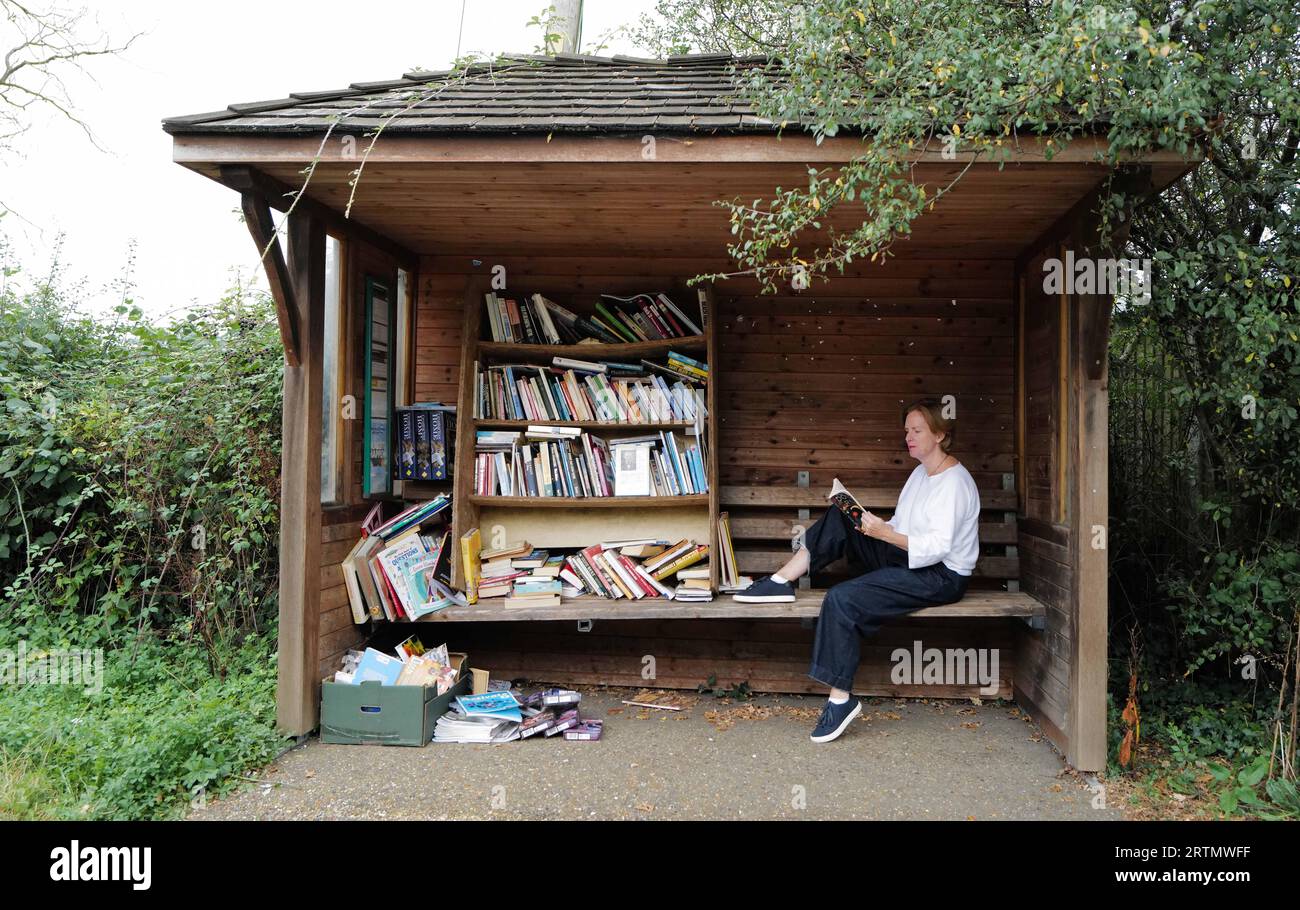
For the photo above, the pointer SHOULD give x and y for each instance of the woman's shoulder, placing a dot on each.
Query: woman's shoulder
(959, 474)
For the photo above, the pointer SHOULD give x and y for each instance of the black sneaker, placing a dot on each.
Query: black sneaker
(835, 719)
(766, 591)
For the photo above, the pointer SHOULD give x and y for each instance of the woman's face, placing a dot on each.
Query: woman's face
(921, 443)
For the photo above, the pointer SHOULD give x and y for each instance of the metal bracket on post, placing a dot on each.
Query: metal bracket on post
(584, 625)
(805, 580)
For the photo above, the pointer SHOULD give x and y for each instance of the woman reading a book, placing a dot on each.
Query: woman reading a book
(923, 556)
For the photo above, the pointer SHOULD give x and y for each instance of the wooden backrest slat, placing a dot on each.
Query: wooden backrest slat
(744, 527)
(734, 496)
(760, 515)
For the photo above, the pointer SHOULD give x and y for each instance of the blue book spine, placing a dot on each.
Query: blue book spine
(530, 477)
(408, 446)
(561, 400)
(570, 470)
(438, 447)
(514, 395)
(691, 360)
(423, 469)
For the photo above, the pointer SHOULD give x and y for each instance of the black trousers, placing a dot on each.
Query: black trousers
(858, 606)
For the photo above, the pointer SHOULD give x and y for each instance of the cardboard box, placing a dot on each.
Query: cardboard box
(372, 713)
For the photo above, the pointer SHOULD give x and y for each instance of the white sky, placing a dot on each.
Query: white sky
(195, 58)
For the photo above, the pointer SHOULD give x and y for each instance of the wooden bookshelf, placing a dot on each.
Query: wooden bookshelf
(603, 517)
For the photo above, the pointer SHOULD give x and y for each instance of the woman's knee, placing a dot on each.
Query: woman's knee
(839, 601)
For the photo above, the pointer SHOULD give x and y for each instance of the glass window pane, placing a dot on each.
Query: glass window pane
(330, 374)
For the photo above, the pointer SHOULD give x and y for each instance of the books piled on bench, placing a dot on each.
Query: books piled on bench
(566, 461)
(633, 569)
(533, 319)
(401, 568)
(569, 389)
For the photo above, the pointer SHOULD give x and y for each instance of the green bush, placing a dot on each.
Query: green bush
(139, 484)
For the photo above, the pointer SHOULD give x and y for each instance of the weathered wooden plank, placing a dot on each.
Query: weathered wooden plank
(297, 696)
(984, 605)
(744, 527)
(752, 561)
(257, 216)
(806, 497)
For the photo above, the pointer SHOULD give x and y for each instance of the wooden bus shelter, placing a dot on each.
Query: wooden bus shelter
(582, 175)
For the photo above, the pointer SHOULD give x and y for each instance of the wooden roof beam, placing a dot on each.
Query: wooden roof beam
(251, 149)
(257, 214)
(280, 196)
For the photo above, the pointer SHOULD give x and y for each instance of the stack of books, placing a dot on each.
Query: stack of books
(688, 366)
(568, 389)
(495, 569)
(499, 717)
(395, 572)
(492, 717)
(536, 320)
(633, 569)
(693, 585)
(566, 461)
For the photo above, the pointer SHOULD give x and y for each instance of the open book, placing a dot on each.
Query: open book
(844, 500)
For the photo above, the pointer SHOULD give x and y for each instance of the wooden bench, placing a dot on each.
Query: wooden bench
(765, 520)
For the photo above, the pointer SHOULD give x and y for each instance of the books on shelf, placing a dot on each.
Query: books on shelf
(426, 440)
(612, 570)
(533, 319)
(544, 461)
(729, 577)
(396, 572)
(471, 553)
(414, 516)
(654, 394)
(691, 594)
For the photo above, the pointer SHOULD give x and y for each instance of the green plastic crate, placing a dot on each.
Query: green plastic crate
(385, 715)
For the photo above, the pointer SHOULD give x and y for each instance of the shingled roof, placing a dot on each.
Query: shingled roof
(568, 93)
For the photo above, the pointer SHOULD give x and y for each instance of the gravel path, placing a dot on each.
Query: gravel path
(716, 759)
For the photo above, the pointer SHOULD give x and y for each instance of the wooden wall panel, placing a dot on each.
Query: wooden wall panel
(815, 381)
(771, 655)
(1046, 566)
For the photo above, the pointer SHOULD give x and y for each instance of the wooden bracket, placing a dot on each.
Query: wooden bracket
(282, 197)
(257, 214)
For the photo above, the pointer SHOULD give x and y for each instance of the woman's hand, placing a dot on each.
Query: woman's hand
(874, 526)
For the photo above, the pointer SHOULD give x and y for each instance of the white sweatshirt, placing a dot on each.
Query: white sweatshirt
(940, 516)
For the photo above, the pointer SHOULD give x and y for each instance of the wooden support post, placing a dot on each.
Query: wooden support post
(465, 514)
(257, 215)
(709, 310)
(297, 696)
(1088, 391)
(1090, 511)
